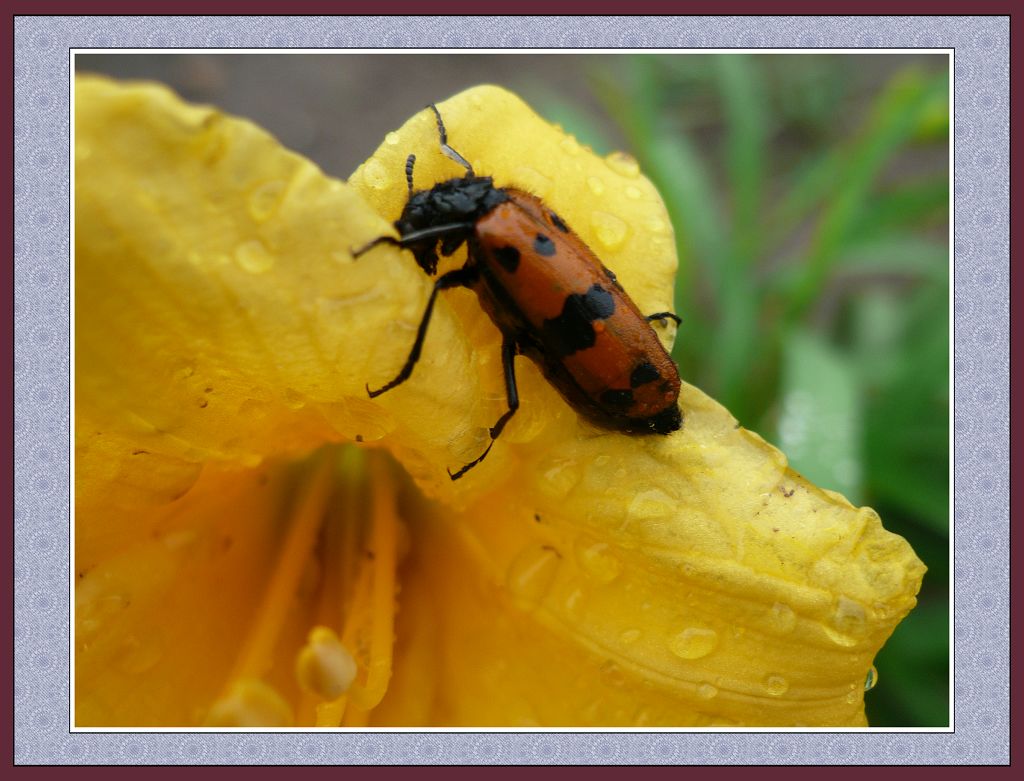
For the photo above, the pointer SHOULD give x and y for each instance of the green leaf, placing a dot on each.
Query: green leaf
(819, 425)
(890, 125)
(745, 122)
(913, 671)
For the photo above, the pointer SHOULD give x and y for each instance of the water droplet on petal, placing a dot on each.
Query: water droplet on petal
(633, 193)
(559, 477)
(532, 572)
(849, 623)
(596, 185)
(611, 230)
(253, 257)
(532, 180)
(264, 199)
(629, 636)
(657, 226)
(776, 685)
(600, 563)
(706, 691)
(694, 642)
(872, 680)
(782, 618)
(376, 175)
(613, 673)
(293, 399)
(570, 145)
(391, 138)
(651, 505)
(623, 164)
(139, 654)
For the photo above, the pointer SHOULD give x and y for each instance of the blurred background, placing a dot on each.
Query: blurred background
(810, 199)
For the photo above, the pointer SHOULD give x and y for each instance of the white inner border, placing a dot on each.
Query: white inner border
(317, 730)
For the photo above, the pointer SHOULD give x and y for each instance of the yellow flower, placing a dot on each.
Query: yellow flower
(240, 562)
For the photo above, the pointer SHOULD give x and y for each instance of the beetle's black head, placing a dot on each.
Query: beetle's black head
(448, 213)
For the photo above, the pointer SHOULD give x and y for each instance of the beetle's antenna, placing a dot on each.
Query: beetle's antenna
(410, 161)
(447, 150)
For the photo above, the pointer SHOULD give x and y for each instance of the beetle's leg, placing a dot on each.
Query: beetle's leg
(662, 316)
(447, 150)
(509, 349)
(433, 232)
(460, 277)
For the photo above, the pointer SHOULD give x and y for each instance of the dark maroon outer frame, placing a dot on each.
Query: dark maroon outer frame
(519, 7)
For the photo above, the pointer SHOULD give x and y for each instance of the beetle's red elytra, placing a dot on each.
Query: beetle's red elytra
(547, 292)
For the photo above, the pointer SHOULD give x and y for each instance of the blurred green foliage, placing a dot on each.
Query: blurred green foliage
(810, 199)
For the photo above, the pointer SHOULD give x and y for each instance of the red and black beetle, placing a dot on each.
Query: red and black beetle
(548, 293)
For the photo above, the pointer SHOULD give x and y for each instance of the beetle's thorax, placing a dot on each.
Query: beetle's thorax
(456, 200)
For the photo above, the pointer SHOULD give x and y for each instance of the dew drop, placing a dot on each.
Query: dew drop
(872, 680)
(633, 193)
(613, 673)
(600, 563)
(694, 642)
(854, 696)
(570, 146)
(391, 139)
(623, 164)
(653, 504)
(611, 230)
(532, 572)
(293, 399)
(629, 636)
(264, 199)
(782, 618)
(849, 623)
(596, 185)
(706, 691)
(657, 226)
(559, 478)
(139, 654)
(776, 685)
(253, 257)
(376, 175)
(533, 181)
(574, 604)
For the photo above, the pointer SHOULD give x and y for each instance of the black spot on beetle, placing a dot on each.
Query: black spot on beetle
(508, 257)
(544, 246)
(617, 399)
(643, 374)
(557, 222)
(572, 331)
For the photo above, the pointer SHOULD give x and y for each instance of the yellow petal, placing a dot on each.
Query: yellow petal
(693, 580)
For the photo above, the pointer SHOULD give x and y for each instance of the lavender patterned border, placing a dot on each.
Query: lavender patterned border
(981, 317)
